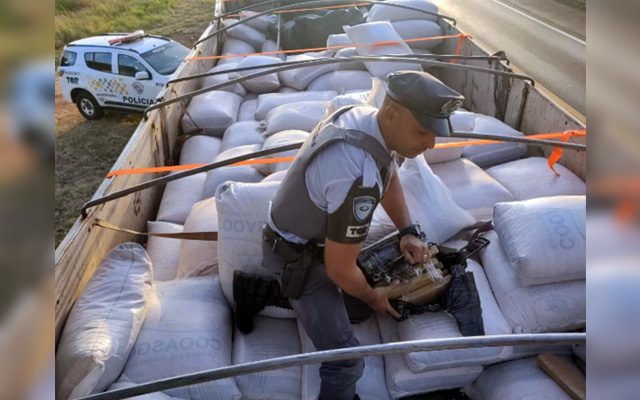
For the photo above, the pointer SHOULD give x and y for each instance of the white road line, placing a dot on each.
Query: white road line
(582, 42)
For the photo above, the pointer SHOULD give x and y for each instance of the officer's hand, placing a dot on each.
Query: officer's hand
(415, 251)
(381, 303)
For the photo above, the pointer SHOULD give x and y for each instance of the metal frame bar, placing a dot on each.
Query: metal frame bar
(285, 63)
(343, 354)
(322, 61)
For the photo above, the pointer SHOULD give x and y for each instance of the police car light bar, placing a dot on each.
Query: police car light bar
(128, 38)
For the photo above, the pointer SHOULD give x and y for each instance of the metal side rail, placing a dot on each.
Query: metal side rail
(343, 354)
(322, 61)
(307, 3)
(303, 62)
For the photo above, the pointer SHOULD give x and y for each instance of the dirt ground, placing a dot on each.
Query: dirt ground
(86, 150)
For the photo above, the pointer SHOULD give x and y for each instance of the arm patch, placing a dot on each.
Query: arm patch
(350, 222)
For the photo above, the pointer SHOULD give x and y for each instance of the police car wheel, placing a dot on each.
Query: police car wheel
(88, 106)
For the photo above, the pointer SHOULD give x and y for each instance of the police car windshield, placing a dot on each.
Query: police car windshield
(166, 59)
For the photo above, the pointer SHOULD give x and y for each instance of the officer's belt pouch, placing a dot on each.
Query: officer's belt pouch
(295, 274)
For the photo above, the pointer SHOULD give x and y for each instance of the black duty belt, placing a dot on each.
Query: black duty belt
(290, 251)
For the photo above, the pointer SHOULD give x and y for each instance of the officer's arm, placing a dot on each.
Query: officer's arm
(340, 264)
(394, 203)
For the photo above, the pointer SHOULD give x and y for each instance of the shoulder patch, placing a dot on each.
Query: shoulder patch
(363, 206)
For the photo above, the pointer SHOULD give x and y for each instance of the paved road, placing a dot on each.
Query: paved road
(543, 38)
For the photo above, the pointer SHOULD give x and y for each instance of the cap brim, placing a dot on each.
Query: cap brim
(439, 126)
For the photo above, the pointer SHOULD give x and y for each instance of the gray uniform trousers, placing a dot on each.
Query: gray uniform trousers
(321, 311)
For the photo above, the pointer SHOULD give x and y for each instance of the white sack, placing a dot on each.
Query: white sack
(401, 381)
(235, 46)
(544, 239)
(443, 325)
(213, 112)
(299, 78)
(303, 115)
(199, 257)
(281, 138)
(492, 154)
(554, 307)
(269, 46)
(338, 39)
(370, 386)
(178, 198)
(419, 28)
(242, 212)
(247, 110)
(163, 252)
(275, 177)
(471, 187)
(287, 89)
(516, 380)
(342, 81)
(531, 177)
(149, 396)
(243, 173)
(270, 338)
(260, 23)
(104, 323)
(262, 84)
(463, 121)
(245, 33)
(354, 98)
(436, 156)
(380, 32)
(429, 203)
(199, 149)
(220, 78)
(380, 12)
(187, 330)
(242, 134)
(353, 65)
(269, 101)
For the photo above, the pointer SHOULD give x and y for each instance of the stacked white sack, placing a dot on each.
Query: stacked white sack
(279, 139)
(471, 187)
(270, 47)
(460, 121)
(352, 65)
(337, 39)
(342, 81)
(371, 386)
(381, 31)
(492, 154)
(104, 322)
(354, 98)
(260, 23)
(233, 46)
(244, 32)
(515, 380)
(429, 203)
(199, 257)
(164, 252)
(242, 134)
(269, 101)
(187, 330)
(211, 113)
(401, 381)
(247, 110)
(243, 173)
(262, 84)
(415, 30)
(270, 338)
(149, 396)
(531, 177)
(211, 80)
(554, 307)
(275, 177)
(303, 116)
(545, 238)
(442, 325)
(199, 149)
(299, 78)
(179, 196)
(242, 212)
(381, 12)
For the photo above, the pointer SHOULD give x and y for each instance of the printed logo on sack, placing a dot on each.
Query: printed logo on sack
(363, 207)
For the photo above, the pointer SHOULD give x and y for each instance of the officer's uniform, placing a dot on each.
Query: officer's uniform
(330, 191)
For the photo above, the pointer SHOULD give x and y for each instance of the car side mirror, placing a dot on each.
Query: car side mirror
(142, 76)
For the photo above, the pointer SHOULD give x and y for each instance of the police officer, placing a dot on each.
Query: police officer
(322, 211)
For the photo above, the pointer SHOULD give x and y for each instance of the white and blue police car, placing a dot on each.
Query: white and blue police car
(124, 71)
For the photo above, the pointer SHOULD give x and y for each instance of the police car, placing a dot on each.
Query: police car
(123, 71)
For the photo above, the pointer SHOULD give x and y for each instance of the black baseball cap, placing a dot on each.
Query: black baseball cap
(430, 100)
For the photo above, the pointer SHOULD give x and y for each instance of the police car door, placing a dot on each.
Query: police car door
(139, 92)
(101, 80)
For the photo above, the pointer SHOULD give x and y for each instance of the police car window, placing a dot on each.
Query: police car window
(68, 58)
(98, 61)
(167, 58)
(128, 65)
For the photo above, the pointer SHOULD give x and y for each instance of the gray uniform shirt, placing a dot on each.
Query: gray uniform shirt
(330, 175)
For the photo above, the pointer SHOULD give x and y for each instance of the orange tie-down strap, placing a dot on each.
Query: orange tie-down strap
(274, 160)
(459, 36)
(205, 235)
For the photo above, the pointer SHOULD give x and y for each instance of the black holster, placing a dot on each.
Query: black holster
(298, 260)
